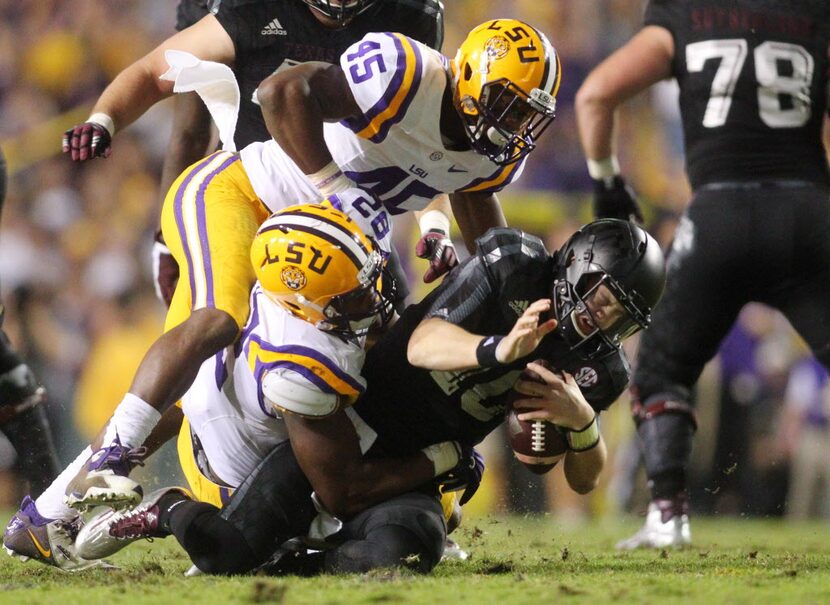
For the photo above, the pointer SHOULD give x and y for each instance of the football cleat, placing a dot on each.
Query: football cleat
(29, 535)
(104, 479)
(667, 525)
(108, 532)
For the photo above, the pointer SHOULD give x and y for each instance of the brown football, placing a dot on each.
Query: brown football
(537, 444)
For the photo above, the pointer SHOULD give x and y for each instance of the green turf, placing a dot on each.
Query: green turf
(514, 560)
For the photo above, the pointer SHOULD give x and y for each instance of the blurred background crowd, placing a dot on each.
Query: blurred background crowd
(76, 280)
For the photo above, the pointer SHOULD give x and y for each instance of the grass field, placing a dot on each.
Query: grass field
(514, 560)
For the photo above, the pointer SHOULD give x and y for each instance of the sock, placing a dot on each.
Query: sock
(31, 436)
(50, 503)
(133, 420)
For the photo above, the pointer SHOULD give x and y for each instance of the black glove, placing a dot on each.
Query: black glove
(435, 246)
(466, 475)
(613, 198)
(86, 141)
(165, 271)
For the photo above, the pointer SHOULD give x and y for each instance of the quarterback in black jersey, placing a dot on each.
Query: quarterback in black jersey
(442, 374)
(753, 93)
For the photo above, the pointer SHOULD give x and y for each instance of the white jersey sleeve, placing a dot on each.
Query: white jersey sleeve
(384, 72)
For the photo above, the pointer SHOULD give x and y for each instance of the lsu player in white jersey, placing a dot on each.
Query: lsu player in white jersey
(320, 287)
(410, 124)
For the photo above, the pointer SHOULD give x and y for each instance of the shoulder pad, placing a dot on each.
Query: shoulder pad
(510, 244)
(289, 392)
(384, 72)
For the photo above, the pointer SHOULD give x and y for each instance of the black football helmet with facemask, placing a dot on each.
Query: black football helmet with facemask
(609, 276)
(342, 11)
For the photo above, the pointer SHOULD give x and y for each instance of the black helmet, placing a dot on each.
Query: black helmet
(625, 259)
(341, 10)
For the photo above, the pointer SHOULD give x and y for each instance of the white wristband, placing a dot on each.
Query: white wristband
(330, 180)
(434, 219)
(443, 456)
(104, 121)
(603, 169)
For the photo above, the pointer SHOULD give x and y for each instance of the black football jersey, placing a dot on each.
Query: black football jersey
(275, 34)
(411, 407)
(753, 86)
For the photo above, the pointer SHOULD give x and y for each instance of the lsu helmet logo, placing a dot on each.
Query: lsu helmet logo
(496, 47)
(293, 277)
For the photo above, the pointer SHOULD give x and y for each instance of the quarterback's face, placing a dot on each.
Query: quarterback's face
(602, 310)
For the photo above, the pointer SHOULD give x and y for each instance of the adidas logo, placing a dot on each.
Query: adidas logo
(274, 29)
(518, 306)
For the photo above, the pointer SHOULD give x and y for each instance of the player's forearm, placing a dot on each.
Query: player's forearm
(294, 116)
(582, 469)
(132, 93)
(373, 481)
(475, 214)
(595, 118)
(440, 345)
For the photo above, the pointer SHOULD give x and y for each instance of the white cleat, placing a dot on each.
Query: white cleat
(108, 532)
(665, 527)
(453, 552)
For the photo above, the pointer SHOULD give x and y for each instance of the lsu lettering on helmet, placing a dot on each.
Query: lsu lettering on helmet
(609, 276)
(316, 263)
(342, 11)
(505, 76)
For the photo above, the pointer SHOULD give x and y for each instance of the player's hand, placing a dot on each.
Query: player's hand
(165, 271)
(613, 198)
(86, 141)
(558, 399)
(527, 333)
(436, 247)
(466, 475)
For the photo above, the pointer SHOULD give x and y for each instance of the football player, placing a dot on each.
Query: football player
(22, 416)
(319, 289)
(442, 373)
(487, 124)
(257, 39)
(753, 94)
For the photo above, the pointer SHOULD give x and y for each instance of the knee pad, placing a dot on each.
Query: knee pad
(396, 534)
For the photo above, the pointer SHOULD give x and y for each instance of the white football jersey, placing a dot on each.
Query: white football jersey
(394, 148)
(230, 407)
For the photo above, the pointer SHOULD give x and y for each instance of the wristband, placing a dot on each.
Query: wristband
(443, 456)
(434, 220)
(330, 180)
(585, 438)
(104, 121)
(603, 170)
(486, 352)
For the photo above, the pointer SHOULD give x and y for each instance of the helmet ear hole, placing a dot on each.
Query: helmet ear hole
(468, 72)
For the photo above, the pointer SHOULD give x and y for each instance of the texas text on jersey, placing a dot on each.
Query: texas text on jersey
(731, 63)
(276, 34)
(485, 294)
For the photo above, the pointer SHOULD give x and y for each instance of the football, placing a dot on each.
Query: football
(537, 444)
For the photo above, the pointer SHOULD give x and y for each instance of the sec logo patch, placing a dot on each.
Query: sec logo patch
(586, 377)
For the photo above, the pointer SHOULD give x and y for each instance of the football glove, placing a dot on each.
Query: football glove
(436, 247)
(613, 198)
(86, 141)
(466, 475)
(165, 271)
